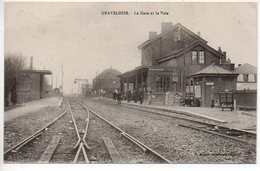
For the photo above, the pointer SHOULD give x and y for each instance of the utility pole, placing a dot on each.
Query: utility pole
(56, 80)
(62, 79)
(96, 82)
(52, 80)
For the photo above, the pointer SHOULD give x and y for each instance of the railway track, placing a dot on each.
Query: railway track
(199, 124)
(29, 139)
(84, 136)
(120, 146)
(89, 138)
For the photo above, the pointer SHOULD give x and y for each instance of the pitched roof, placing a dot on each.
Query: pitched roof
(45, 72)
(246, 69)
(213, 69)
(133, 70)
(173, 27)
(178, 52)
(108, 74)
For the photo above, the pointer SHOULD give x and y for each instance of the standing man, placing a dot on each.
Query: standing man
(128, 95)
(135, 96)
(141, 95)
(114, 95)
(119, 97)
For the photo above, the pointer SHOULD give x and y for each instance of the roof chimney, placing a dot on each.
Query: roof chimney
(165, 26)
(225, 56)
(199, 33)
(31, 63)
(229, 61)
(219, 49)
(152, 35)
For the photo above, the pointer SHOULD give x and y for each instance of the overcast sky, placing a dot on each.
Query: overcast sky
(87, 42)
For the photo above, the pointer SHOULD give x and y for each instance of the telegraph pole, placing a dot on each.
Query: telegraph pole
(62, 78)
(52, 80)
(56, 80)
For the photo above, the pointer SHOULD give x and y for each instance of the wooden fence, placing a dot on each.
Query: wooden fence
(246, 99)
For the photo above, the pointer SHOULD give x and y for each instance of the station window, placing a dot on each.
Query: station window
(174, 78)
(194, 57)
(162, 84)
(245, 77)
(201, 57)
(197, 91)
(255, 77)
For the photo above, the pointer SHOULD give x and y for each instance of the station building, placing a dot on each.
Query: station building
(247, 78)
(106, 82)
(30, 85)
(176, 60)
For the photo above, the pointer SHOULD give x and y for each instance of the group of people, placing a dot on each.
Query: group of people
(135, 96)
(117, 96)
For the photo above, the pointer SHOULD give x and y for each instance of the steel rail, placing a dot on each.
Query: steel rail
(31, 137)
(75, 125)
(77, 154)
(84, 153)
(216, 133)
(131, 138)
(81, 141)
(162, 114)
(86, 130)
(208, 123)
(199, 122)
(134, 141)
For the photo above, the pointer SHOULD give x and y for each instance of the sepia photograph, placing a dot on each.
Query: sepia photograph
(130, 83)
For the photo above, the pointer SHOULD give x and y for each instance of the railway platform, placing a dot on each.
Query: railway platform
(242, 120)
(31, 106)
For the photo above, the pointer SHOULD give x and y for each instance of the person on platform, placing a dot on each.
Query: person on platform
(128, 95)
(114, 95)
(150, 97)
(141, 95)
(135, 96)
(119, 97)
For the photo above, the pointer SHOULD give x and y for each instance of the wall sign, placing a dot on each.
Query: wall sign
(210, 83)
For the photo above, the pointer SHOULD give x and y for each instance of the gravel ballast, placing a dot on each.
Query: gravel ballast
(162, 134)
(180, 145)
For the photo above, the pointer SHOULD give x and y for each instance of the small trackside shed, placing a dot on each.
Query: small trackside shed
(210, 80)
(30, 85)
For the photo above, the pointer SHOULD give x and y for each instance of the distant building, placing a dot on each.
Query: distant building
(30, 85)
(86, 89)
(247, 78)
(79, 85)
(107, 81)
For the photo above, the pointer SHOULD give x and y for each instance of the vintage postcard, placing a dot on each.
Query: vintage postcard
(130, 83)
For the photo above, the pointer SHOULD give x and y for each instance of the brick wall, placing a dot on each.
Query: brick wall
(108, 85)
(28, 87)
(162, 46)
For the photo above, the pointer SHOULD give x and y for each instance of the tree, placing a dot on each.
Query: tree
(13, 66)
